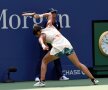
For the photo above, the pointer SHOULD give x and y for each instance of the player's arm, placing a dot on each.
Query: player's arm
(41, 15)
(28, 13)
(42, 41)
(47, 15)
(35, 15)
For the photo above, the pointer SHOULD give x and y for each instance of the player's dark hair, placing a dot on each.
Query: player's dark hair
(36, 29)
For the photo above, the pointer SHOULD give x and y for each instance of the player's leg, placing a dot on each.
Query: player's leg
(74, 59)
(38, 66)
(46, 59)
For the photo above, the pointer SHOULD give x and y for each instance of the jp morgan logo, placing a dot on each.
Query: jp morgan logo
(7, 22)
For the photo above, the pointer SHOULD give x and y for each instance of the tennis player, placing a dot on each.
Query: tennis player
(57, 63)
(60, 46)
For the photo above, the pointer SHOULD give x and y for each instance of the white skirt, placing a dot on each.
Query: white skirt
(61, 45)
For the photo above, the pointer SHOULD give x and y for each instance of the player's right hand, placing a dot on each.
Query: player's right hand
(45, 47)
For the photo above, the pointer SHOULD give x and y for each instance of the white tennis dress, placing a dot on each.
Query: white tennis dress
(60, 45)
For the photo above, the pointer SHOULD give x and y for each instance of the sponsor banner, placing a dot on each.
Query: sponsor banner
(20, 48)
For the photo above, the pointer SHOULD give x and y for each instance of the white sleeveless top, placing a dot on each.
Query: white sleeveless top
(56, 39)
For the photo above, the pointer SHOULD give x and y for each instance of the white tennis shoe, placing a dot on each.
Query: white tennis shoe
(95, 81)
(39, 84)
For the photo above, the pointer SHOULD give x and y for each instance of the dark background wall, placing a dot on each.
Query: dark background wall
(19, 48)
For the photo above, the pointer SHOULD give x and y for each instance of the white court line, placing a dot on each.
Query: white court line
(95, 87)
